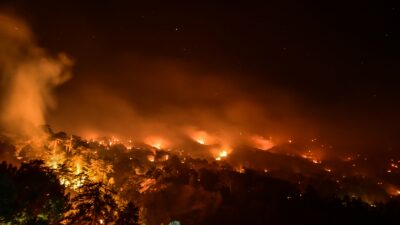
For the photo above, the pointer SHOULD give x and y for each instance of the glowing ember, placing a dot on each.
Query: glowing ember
(262, 143)
(146, 184)
(200, 136)
(392, 190)
(315, 161)
(156, 142)
(223, 154)
(240, 169)
(201, 141)
(312, 157)
(150, 158)
(348, 159)
(113, 141)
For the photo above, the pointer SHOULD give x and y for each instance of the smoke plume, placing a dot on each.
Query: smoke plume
(28, 76)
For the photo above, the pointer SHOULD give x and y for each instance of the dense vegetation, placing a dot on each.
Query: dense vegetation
(32, 194)
(91, 183)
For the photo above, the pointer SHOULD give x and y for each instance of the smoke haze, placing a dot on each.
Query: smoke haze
(28, 77)
(151, 73)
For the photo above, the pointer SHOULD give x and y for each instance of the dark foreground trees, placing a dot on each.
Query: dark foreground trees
(32, 194)
(94, 204)
(129, 215)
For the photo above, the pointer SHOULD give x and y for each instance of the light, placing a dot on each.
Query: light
(240, 169)
(309, 156)
(262, 143)
(78, 169)
(113, 141)
(223, 154)
(101, 221)
(348, 159)
(201, 141)
(200, 136)
(150, 158)
(156, 142)
(315, 161)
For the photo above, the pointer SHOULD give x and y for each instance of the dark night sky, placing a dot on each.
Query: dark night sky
(338, 63)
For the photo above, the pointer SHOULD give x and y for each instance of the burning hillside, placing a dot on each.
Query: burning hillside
(207, 134)
(171, 183)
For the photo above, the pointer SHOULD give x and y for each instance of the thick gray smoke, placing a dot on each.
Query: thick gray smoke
(28, 76)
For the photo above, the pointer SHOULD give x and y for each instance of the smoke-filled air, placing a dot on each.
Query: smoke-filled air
(133, 113)
(28, 76)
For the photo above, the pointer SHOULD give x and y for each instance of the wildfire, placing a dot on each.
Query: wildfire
(151, 158)
(262, 143)
(201, 141)
(200, 136)
(156, 142)
(85, 164)
(316, 161)
(393, 190)
(222, 154)
(240, 169)
(312, 157)
(113, 140)
(78, 169)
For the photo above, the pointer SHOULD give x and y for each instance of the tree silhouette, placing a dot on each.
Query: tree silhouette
(94, 204)
(129, 215)
(8, 193)
(31, 194)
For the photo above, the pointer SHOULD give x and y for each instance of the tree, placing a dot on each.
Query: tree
(129, 215)
(8, 193)
(94, 204)
(31, 194)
